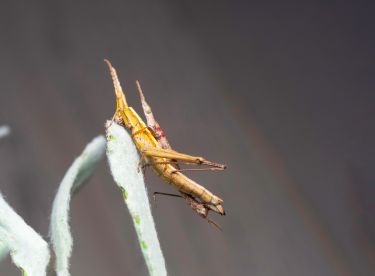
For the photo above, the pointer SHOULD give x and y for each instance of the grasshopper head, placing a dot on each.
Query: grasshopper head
(122, 109)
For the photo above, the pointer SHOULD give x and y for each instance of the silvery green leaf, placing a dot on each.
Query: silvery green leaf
(28, 250)
(4, 250)
(124, 163)
(74, 178)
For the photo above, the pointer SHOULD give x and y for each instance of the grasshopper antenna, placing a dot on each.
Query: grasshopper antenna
(214, 224)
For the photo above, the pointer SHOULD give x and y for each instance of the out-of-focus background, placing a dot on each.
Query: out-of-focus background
(280, 91)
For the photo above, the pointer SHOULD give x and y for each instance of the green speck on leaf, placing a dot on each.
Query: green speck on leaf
(110, 137)
(144, 244)
(124, 193)
(137, 219)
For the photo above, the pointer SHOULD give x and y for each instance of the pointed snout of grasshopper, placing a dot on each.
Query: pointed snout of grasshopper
(120, 96)
(122, 108)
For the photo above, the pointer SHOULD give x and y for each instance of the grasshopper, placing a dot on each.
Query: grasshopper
(156, 152)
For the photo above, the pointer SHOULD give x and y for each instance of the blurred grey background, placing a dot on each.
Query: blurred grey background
(280, 91)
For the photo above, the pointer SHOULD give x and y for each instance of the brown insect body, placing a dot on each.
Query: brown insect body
(200, 199)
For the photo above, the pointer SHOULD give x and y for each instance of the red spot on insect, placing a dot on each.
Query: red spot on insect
(159, 131)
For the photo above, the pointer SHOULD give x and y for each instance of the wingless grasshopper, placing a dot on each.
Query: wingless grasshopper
(156, 152)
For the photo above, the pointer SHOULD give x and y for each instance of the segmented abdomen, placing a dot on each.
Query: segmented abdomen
(183, 183)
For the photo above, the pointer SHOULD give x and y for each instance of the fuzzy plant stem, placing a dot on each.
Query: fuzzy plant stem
(81, 169)
(124, 163)
(28, 250)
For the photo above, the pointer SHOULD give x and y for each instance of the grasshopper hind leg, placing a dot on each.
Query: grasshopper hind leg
(214, 223)
(201, 209)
